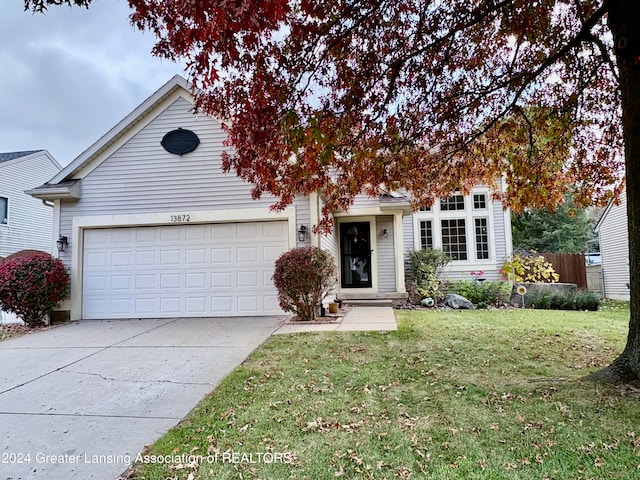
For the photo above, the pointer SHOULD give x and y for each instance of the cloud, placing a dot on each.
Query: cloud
(71, 74)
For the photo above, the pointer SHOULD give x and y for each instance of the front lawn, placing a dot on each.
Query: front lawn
(451, 395)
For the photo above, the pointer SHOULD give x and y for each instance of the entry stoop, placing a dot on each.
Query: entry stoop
(355, 302)
(373, 299)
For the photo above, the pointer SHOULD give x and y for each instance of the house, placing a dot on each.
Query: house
(26, 223)
(152, 227)
(613, 233)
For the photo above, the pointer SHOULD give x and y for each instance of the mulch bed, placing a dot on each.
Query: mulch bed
(15, 330)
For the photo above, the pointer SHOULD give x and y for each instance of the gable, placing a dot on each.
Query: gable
(139, 175)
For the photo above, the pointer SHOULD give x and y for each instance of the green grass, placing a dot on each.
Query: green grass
(451, 395)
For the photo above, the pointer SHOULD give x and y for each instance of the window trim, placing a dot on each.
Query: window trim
(2, 223)
(469, 214)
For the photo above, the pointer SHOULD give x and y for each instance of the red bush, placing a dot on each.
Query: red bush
(32, 286)
(304, 277)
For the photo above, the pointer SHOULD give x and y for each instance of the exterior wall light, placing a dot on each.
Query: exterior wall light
(62, 243)
(385, 233)
(302, 233)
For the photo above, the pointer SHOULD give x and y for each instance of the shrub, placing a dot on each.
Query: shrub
(565, 300)
(32, 286)
(425, 268)
(528, 267)
(304, 276)
(484, 293)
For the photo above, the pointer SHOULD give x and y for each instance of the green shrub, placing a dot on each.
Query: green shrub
(32, 286)
(425, 268)
(528, 267)
(565, 300)
(304, 276)
(482, 294)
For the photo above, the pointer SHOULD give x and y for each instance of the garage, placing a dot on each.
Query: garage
(185, 270)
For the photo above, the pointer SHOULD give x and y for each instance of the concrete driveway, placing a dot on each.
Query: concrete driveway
(80, 401)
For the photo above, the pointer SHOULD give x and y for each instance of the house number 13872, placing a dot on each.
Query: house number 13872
(180, 218)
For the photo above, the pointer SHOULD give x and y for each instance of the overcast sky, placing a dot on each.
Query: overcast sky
(68, 76)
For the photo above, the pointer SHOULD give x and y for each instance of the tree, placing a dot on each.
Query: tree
(346, 96)
(567, 229)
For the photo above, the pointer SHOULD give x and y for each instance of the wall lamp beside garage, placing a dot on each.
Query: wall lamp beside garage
(302, 233)
(62, 243)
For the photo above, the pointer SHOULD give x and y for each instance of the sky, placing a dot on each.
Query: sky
(69, 75)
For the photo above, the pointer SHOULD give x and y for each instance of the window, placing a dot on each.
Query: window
(4, 211)
(455, 202)
(454, 238)
(482, 238)
(479, 201)
(459, 225)
(426, 234)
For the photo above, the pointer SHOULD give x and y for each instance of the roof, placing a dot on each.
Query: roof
(5, 157)
(606, 211)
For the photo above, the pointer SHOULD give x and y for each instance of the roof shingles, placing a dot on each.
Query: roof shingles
(5, 157)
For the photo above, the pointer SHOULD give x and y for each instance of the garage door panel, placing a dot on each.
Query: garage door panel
(171, 234)
(221, 255)
(146, 258)
(196, 305)
(182, 270)
(196, 256)
(196, 280)
(95, 283)
(169, 257)
(248, 304)
(247, 279)
(98, 259)
(224, 305)
(121, 235)
(221, 280)
(223, 231)
(121, 282)
(145, 305)
(170, 305)
(146, 282)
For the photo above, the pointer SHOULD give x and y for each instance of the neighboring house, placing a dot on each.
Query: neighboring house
(613, 233)
(25, 222)
(156, 229)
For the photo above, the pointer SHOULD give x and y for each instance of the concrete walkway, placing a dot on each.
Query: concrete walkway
(357, 319)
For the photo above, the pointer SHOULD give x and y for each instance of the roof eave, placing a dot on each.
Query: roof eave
(67, 191)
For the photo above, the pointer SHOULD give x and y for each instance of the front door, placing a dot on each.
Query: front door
(355, 252)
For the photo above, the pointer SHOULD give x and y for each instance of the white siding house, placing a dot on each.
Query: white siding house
(613, 234)
(25, 222)
(156, 229)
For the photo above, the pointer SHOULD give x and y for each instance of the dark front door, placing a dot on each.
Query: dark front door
(355, 252)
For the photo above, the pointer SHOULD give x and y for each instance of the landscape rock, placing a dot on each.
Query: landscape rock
(456, 301)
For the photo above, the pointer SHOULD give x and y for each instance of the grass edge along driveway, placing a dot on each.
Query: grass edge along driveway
(487, 394)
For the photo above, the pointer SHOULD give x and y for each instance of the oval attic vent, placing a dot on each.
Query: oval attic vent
(180, 141)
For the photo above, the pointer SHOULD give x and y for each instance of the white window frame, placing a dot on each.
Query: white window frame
(469, 214)
(2, 219)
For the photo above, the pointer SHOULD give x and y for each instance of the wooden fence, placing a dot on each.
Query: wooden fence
(570, 266)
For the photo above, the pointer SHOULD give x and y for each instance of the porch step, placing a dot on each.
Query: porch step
(364, 302)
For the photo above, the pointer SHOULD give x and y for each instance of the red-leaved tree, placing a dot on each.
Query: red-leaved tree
(348, 96)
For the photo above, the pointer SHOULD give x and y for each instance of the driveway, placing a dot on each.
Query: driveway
(80, 401)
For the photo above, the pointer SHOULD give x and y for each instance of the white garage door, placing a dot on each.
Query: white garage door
(182, 270)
